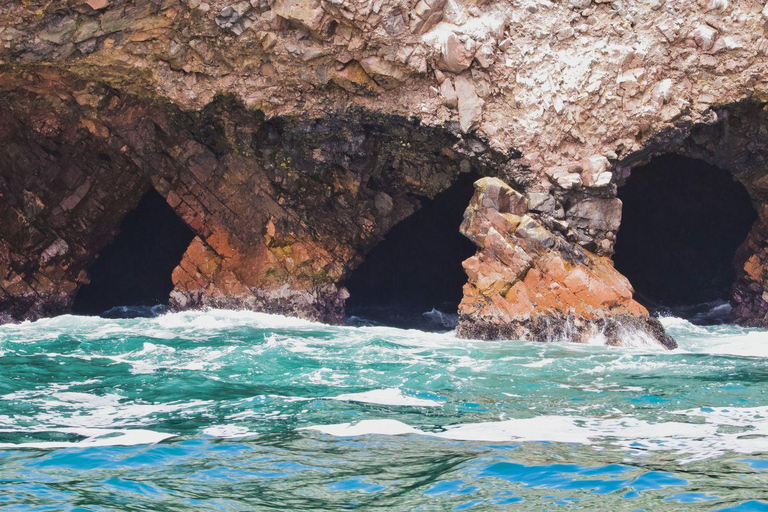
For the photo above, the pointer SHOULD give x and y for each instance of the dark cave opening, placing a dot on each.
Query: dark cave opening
(414, 278)
(682, 222)
(133, 272)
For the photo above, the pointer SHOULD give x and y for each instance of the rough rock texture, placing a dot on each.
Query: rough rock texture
(734, 138)
(528, 282)
(283, 209)
(271, 126)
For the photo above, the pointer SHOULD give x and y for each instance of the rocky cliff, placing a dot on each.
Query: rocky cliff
(291, 135)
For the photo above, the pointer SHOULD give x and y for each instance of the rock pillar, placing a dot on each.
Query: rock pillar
(528, 282)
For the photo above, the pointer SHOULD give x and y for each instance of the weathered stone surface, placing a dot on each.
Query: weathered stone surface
(306, 12)
(615, 83)
(596, 213)
(283, 209)
(385, 73)
(470, 104)
(596, 171)
(354, 79)
(456, 54)
(526, 282)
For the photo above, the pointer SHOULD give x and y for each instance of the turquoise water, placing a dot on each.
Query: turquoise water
(227, 410)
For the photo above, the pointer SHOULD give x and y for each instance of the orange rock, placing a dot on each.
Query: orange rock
(528, 281)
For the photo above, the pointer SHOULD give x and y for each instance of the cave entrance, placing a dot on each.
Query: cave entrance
(682, 222)
(414, 277)
(133, 273)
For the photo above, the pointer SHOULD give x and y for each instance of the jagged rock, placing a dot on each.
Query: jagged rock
(470, 104)
(662, 92)
(717, 5)
(566, 177)
(595, 171)
(541, 202)
(526, 282)
(426, 15)
(456, 54)
(306, 12)
(354, 79)
(596, 213)
(59, 30)
(485, 55)
(704, 36)
(385, 73)
(258, 243)
(97, 5)
(448, 92)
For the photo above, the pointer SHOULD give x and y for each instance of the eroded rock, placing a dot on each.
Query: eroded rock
(470, 104)
(549, 105)
(526, 282)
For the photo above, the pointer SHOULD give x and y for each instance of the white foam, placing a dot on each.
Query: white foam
(673, 322)
(538, 364)
(365, 427)
(226, 318)
(84, 410)
(719, 340)
(695, 441)
(390, 396)
(94, 437)
(228, 431)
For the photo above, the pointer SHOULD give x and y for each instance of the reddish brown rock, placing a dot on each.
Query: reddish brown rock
(283, 210)
(750, 291)
(526, 282)
(290, 159)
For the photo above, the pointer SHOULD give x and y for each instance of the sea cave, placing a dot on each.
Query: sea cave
(682, 222)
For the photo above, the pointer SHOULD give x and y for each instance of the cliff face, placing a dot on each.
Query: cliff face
(291, 135)
(282, 209)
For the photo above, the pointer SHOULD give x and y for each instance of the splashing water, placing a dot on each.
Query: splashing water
(224, 410)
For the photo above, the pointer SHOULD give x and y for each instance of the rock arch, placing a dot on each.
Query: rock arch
(135, 268)
(282, 209)
(543, 268)
(682, 222)
(733, 138)
(414, 276)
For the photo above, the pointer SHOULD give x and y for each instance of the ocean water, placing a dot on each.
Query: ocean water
(224, 410)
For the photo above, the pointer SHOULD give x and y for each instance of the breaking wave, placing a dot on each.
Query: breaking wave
(230, 409)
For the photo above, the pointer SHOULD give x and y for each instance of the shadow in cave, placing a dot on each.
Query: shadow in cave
(132, 275)
(414, 278)
(682, 221)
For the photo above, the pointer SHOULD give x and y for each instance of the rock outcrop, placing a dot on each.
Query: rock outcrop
(528, 282)
(291, 135)
(283, 209)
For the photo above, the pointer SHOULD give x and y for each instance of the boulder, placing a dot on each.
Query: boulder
(596, 213)
(456, 55)
(308, 13)
(354, 79)
(386, 74)
(595, 171)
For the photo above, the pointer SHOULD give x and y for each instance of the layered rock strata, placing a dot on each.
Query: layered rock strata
(283, 209)
(290, 135)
